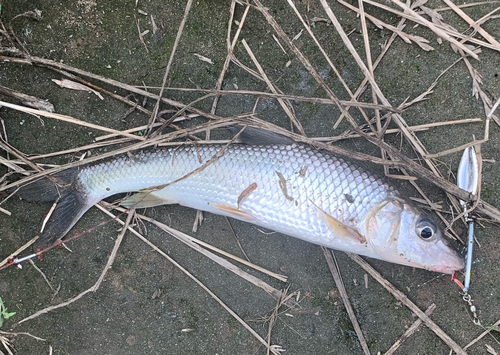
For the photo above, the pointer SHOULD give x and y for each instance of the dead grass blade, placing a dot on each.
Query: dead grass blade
(14, 334)
(406, 37)
(140, 33)
(68, 119)
(199, 283)
(444, 27)
(43, 274)
(282, 299)
(463, 6)
(369, 63)
(19, 251)
(170, 60)
(329, 61)
(287, 107)
(473, 24)
(197, 244)
(349, 134)
(400, 296)
(482, 335)
(316, 100)
(236, 237)
(361, 88)
(411, 15)
(230, 47)
(334, 269)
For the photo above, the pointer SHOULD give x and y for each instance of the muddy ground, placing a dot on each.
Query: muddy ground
(146, 305)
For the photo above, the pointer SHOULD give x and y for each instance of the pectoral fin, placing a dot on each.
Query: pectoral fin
(144, 199)
(340, 229)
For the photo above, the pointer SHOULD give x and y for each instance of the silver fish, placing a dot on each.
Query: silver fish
(289, 188)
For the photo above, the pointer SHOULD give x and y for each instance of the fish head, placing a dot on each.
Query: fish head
(402, 234)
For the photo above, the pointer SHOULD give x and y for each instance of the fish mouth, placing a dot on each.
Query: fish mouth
(457, 264)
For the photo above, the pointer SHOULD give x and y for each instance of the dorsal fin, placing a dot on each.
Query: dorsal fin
(259, 136)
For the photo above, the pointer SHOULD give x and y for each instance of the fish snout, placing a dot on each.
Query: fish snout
(451, 261)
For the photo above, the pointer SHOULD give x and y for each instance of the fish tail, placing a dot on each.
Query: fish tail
(69, 209)
(71, 201)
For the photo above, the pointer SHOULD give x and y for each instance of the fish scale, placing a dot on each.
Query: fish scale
(323, 186)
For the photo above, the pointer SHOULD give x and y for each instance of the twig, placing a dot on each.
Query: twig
(42, 273)
(332, 264)
(400, 296)
(409, 331)
(236, 238)
(28, 100)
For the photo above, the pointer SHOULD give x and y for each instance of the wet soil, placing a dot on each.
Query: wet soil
(146, 305)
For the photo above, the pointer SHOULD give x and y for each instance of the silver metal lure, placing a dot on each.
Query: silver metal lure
(467, 179)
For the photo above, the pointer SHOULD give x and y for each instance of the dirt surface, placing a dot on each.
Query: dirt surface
(148, 306)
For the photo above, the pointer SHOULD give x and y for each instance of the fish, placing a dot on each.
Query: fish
(267, 180)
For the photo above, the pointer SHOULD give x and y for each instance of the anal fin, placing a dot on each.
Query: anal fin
(146, 198)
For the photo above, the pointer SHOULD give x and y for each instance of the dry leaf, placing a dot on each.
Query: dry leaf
(490, 350)
(73, 85)
(203, 58)
(298, 35)
(153, 24)
(35, 14)
(320, 19)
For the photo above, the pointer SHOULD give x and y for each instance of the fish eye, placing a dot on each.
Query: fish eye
(425, 228)
(426, 233)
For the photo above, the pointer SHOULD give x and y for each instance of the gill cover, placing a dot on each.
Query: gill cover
(401, 234)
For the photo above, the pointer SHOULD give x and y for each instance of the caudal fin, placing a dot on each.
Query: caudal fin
(71, 204)
(69, 209)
